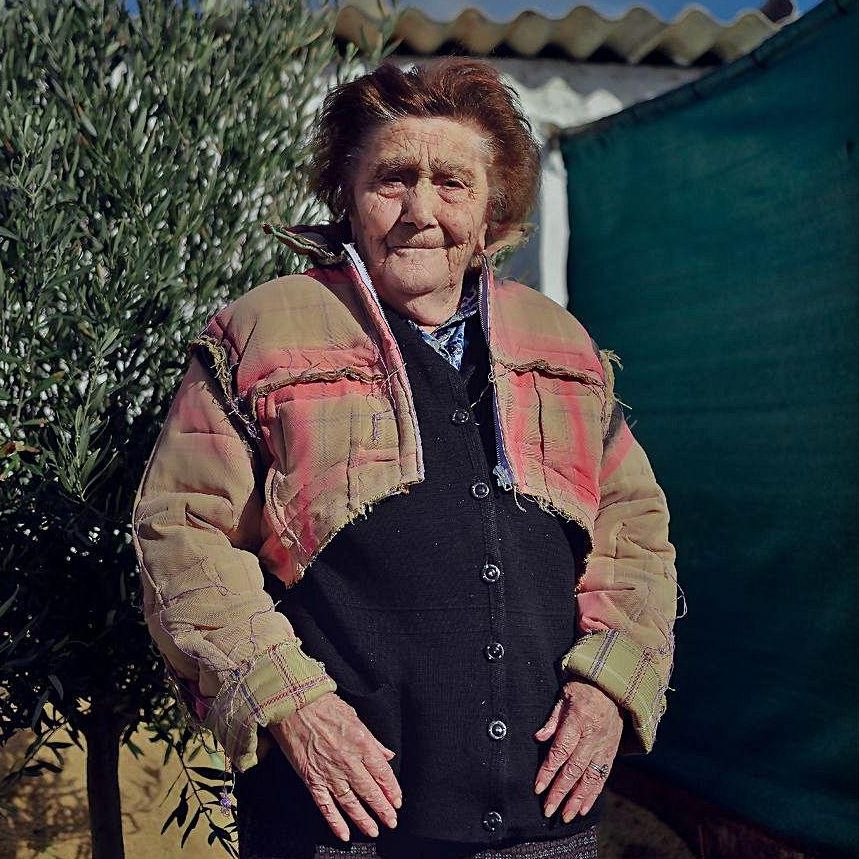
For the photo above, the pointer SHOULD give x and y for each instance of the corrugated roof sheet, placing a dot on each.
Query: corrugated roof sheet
(638, 36)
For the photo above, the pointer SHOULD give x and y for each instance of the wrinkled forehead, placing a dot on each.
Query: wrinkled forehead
(435, 143)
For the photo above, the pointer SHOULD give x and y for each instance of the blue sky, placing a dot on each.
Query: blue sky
(723, 10)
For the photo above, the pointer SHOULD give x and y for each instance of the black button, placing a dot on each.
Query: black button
(460, 416)
(480, 489)
(492, 821)
(497, 729)
(494, 650)
(491, 573)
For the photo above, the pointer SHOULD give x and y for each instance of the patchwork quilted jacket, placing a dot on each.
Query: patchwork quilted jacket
(295, 416)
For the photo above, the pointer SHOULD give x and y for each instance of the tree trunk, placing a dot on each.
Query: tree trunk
(102, 729)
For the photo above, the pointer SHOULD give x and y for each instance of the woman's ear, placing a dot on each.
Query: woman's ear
(506, 236)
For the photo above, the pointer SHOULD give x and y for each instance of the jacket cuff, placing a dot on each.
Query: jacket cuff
(268, 689)
(626, 673)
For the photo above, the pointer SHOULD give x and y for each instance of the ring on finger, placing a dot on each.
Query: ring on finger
(343, 793)
(600, 769)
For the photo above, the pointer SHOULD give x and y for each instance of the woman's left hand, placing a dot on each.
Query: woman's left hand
(587, 726)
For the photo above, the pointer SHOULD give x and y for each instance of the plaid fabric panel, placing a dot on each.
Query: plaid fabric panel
(627, 674)
(551, 399)
(627, 597)
(196, 530)
(280, 680)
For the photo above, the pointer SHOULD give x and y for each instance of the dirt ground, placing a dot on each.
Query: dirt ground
(50, 817)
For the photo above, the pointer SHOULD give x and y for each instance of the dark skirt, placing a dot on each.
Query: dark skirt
(390, 845)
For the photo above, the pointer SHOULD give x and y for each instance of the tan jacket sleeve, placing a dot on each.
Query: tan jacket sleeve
(627, 596)
(196, 529)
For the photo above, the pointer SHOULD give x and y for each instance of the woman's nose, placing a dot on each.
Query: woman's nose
(418, 208)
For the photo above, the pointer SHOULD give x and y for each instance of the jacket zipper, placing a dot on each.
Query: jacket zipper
(502, 471)
(364, 276)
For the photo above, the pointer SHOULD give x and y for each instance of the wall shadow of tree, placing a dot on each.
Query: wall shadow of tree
(46, 810)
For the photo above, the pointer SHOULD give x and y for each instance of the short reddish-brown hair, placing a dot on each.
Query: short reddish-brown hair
(455, 88)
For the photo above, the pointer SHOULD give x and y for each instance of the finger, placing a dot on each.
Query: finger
(550, 724)
(367, 788)
(566, 739)
(381, 771)
(584, 794)
(324, 801)
(567, 778)
(350, 803)
(608, 758)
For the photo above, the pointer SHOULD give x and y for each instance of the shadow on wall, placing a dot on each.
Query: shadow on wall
(47, 810)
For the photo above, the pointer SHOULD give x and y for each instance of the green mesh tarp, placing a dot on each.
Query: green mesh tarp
(715, 246)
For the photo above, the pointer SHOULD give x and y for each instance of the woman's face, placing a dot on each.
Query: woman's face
(420, 194)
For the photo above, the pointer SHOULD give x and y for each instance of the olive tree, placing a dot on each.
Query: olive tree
(139, 155)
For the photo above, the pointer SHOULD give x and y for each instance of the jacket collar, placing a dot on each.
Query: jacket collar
(323, 243)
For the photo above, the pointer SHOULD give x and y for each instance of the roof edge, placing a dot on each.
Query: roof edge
(763, 55)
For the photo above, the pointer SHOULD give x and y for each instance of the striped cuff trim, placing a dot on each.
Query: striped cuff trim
(281, 680)
(626, 673)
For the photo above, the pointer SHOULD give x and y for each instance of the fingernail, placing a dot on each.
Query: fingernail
(550, 810)
(539, 787)
(374, 831)
(568, 816)
(398, 803)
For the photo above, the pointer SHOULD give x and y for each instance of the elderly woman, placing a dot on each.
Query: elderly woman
(398, 545)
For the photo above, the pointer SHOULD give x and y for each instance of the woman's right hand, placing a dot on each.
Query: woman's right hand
(340, 760)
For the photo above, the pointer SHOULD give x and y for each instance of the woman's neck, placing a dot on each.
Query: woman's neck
(430, 311)
(427, 311)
